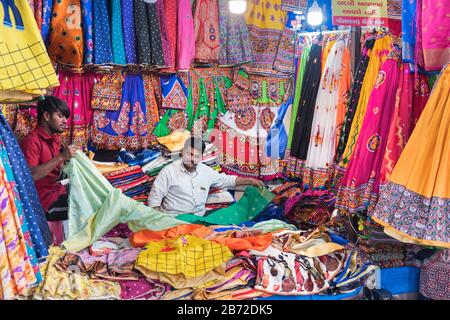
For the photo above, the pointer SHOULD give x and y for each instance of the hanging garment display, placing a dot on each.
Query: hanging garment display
(170, 16)
(25, 190)
(66, 37)
(265, 21)
(161, 11)
(88, 29)
(185, 35)
(414, 206)
(118, 47)
(378, 55)
(434, 280)
(408, 30)
(25, 67)
(235, 46)
(323, 128)
(94, 209)
(288, 43)
(277, 136)
(359, 186)
(129, 36)
(102, 33)
(131, 126)
(303, 121)
(76, 91)
(206, 30)
(174, 92)
(107, 92)
(47, 10)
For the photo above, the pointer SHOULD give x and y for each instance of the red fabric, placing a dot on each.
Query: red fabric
(38, 148)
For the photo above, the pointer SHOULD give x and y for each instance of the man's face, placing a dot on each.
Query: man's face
(191, 157)
(56, 121)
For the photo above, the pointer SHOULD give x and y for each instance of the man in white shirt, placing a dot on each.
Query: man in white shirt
(183, 186)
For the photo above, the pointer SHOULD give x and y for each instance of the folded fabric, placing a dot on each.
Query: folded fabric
(219, 197)
(123, 173)
(142, 289)
(107, 168)
(175, 141)
(252, 202)
(95, 207)
(188, 255)
(133, 184)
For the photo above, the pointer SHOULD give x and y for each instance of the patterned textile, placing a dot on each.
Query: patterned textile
(284, 59)
(118, 48)
(235, 46)
(414, 206)
(59, 285)
(285, 273)
(24, 63)
(187, 255)
(359, 186)
(66, 37)
(174, 92)
(160, 6)
(76, 90)
(206, 30)
(408, 30)
(26, 122)
(434, 279)
(294, 5)
(107, 93)
(129, 35)
(148, 34)
(265, 21)
(185, 35)
(47, 8)
(142, 289)
(25, 190)
(102, 33)
(88, 29)
(130, 126)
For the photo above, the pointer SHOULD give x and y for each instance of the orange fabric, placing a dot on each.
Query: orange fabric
(141, 238)
(248, 243)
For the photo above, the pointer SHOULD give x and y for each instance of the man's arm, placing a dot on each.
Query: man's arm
(222, 181)
(42, 170)
(159, 190)
(249, 182)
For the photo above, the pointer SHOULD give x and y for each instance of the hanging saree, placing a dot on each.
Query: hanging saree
(26, 191)
(65, 45)
(25, 67)
(129, 126)
(206, 30)
(129, 36)
(360, 184)
(235, 46)
(323, 128)
(185, 35)
(435, 26)
(160, 7)
(47, 8)
(76, 91)
(88, 37)
(408, 30)
(102, 33)
(118, 48)
(378, 55)
(265, 21)
(298, 88)
(344, 92)
(414, 206)
(303, 121)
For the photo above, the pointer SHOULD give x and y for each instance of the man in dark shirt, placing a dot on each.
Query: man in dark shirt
(45, 157)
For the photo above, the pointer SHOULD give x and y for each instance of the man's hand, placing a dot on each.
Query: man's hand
(68, 153)
(249, 182)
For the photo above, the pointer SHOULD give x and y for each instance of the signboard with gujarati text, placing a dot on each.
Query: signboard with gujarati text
(360, 13)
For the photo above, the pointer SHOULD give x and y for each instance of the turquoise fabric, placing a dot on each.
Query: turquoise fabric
(95, 207)
(118, 45)
(252, 202)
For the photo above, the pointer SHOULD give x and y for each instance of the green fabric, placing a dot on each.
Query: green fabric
(264, 99)
(298, 89)
(95, 207)
(252, 202)
(190, 109)
(202, 107)
(272, 225)
(161, 129)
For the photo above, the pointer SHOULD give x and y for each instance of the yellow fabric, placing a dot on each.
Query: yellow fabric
(18, 96)
(187, 255)
(104, 168)
(180, 281)
(61, 285)
(259, 15)
(378, 55)
(24, 63)
(326, 52)
(424, 165)
(175, 141)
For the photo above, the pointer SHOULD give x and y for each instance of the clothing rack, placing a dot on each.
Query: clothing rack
(316, 33)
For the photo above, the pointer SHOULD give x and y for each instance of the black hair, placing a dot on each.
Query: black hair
(51, 104)
(195, 143)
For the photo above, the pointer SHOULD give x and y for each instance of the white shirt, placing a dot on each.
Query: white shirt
(179, 191)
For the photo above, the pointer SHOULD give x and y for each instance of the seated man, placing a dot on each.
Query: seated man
(45, 157)
(183, 186)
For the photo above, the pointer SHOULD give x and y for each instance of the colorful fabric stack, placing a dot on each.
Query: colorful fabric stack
(132, 182)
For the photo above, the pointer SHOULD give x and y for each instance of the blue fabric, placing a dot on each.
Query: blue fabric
(86, 13)
(102, 33)
(33, 212)
(140, 158)
(168, 82)
(400, 280)
(408, 30)
(118, 47)
(338, 239)
(47, 8)
(351, 294)
(129, 36)
(277, 137)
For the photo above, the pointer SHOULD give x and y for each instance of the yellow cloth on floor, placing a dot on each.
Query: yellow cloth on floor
(59, 285)
(175, 141)
(25, 66)
(187, 255)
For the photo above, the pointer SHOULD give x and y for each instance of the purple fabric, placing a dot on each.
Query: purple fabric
(142, 289)
(121, 231)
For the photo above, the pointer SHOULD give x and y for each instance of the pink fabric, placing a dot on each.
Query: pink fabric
(57, 231)
(142, 289)
(362, 178)
(185, 38)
